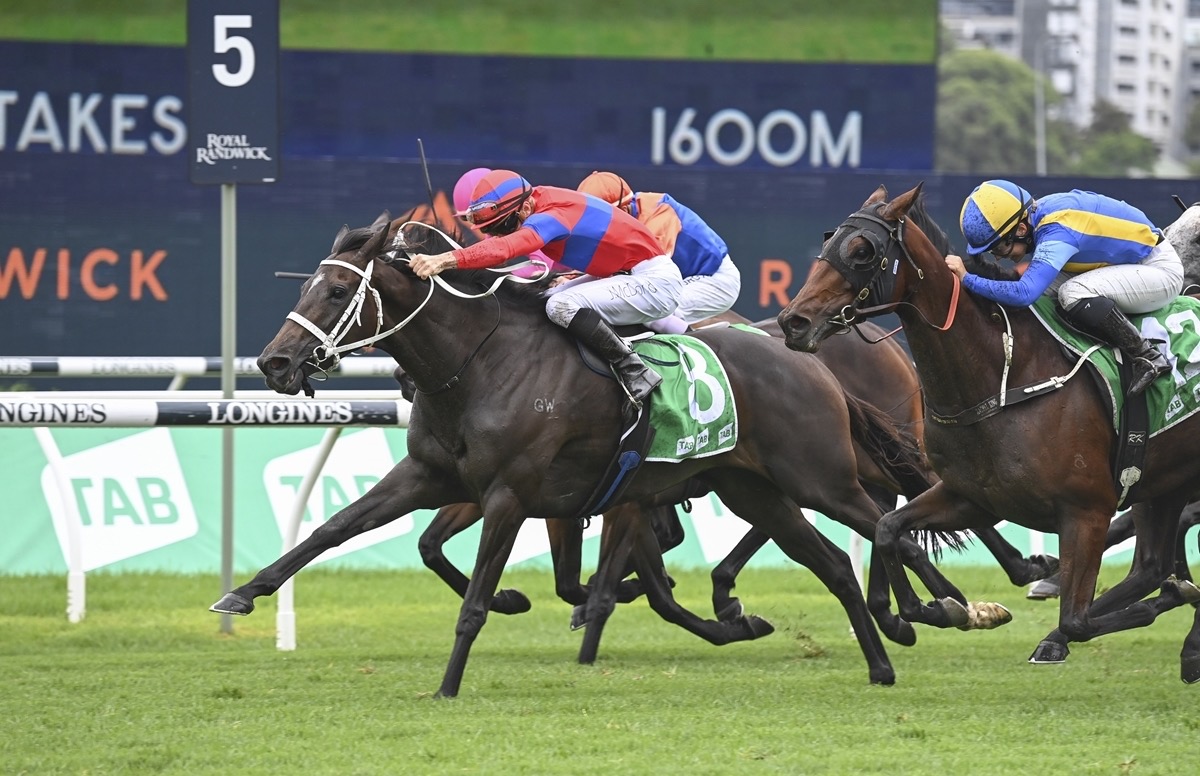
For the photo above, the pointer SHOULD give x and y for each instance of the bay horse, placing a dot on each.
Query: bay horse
(508, 417)
(1042, 463)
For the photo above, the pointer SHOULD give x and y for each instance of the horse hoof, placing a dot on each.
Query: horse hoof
(510, 601)
(232, 603)
(1048, 563)
(886, 677)
(1042, 590)
(1049, 653)
(1186, 589)
(578, 619)
(985, 615)
(1189, 669)
(956, 614)
(758, 627)
(731, 611)
(903, 633)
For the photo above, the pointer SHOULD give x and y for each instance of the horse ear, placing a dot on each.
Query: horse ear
(880, 195)
(384, 219)
(899, 206)
(337, 240)
(379, 238)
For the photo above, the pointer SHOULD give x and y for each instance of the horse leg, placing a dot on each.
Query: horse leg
(647, 558)
(1121, 608)
(616, 539)
(1189, 658)
(566, 554)
(446, 524)
(408, 486)
(1020, 570)
(935, 509)
(1120, 529)
(502, 519)
(772, 512)
(724, 576)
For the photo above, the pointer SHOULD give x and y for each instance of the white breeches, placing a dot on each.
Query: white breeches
(1136, 288)
(650, 291)
(707, 295)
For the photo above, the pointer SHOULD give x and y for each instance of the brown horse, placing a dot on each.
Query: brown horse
(1042, 463)
(508, 417)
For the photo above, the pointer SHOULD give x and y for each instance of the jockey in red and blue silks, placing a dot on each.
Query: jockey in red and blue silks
(462, 200)
(711, 281)
(627, 278)
(1101, 256)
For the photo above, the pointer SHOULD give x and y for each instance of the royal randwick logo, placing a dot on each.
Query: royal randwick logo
(221, 148)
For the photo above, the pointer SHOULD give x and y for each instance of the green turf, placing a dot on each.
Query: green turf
(147, 684)
(770, 30)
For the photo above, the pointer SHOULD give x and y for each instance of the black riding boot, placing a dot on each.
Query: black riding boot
(1100, 317)
(639, 380)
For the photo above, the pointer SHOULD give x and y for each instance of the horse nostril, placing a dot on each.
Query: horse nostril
(273, 365)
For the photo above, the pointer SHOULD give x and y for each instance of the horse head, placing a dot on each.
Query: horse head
(1184, 235)
(330, 310)
(865, 268)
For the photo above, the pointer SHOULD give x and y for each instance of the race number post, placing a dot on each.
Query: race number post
(233, 137)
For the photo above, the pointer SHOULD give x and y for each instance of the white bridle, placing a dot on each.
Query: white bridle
(331, 346)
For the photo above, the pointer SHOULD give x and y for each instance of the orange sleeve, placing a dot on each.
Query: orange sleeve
(661, 219)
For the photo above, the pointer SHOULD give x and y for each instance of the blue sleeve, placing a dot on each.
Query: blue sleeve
(1015, 293)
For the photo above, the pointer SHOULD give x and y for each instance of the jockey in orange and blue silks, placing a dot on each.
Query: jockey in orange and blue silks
(1106, 256)
(711, 281)
(627, 277)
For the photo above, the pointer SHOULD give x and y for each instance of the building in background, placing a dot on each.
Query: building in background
(1143, 56)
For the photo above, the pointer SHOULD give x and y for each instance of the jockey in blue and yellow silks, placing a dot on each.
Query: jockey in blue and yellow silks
(1116, 262)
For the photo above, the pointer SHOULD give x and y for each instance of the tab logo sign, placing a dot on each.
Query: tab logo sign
(131, 497)
(357, 462)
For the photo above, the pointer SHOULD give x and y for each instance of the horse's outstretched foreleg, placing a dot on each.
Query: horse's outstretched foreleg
(448, 523)
(724, 576)
(408, 486)
(1119, 608)
(502, 519)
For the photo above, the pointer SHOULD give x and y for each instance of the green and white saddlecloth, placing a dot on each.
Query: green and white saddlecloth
(692, 412)
(1171, 398)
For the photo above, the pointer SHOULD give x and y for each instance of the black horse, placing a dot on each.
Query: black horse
(508, 417)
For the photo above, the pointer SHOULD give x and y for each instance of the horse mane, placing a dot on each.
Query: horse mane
(920, 216)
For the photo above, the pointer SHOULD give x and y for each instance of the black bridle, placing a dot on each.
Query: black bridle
(875, 275)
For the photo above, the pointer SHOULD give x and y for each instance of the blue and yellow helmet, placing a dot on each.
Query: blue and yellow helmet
(990, 212)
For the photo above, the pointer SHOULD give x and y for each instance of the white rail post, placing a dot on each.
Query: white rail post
(285, 615)
(76, 581)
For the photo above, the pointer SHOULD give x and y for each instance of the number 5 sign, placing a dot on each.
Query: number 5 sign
(233, 97)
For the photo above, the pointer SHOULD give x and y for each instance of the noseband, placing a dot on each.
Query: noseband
(871, 276)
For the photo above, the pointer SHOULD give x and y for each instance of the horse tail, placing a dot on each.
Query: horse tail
(894, 450)
(898, 453)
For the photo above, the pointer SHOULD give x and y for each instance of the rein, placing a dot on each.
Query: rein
(331, 347)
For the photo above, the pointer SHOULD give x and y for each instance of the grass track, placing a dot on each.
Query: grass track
(147, 684)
